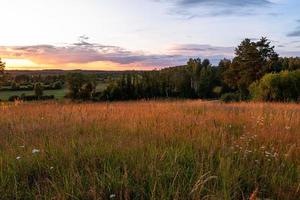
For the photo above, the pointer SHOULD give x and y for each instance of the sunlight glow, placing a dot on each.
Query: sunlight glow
(18, 63)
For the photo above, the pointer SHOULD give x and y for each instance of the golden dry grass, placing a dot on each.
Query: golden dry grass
(149, 150)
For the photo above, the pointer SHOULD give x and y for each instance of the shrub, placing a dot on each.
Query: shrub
(31, 98)
(284, 86)
(14, 98)
(230, 97)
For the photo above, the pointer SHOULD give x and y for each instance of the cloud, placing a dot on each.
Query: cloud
(189, 9)
(84, 52)
(296, 32)
(289, 53)
(235, 3)
(204, 50)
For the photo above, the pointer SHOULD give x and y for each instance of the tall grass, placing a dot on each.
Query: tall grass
(149, 150)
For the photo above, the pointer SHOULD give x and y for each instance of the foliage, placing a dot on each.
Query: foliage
(283, 86)
(198, 79)
(2, 67)
(253, 60)
(195, 80)
(230, 97)
(24, 97)
(81, 86)
(38, 89)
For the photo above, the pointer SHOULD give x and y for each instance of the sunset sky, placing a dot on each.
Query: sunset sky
(139, 34)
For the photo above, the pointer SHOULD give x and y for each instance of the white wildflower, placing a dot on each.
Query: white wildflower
(34, 151)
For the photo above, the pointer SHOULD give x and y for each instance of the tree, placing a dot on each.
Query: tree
(75, 81)
(81, 86)
(38, 90)
(2, 67)
(253, 60)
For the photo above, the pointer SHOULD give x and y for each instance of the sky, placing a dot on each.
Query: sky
(139, 34)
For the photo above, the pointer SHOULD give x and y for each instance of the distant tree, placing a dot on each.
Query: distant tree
(57, 85)
(75, 82)
(2, 67)
(22, 79)
(252, 61)
(81, 86)
(38, 89)
(205, 82)
(15, 86)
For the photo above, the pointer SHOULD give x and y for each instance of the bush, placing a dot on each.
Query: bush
(284, 86)
(31, 98)
(230, 97)
(14, 98)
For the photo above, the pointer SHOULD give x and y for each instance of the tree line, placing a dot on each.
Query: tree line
(242, 78)
(256, 72)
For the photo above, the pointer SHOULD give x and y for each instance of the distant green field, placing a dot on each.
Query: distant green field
(59, 94)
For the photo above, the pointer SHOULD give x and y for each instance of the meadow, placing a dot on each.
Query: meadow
(149, 150)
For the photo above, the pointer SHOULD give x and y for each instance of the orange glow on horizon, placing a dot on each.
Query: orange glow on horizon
(12, 63)
(27, 64)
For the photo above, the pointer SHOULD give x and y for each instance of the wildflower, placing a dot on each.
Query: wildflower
(267, 153)
(18, 158)
(34, 151)
(112, 196)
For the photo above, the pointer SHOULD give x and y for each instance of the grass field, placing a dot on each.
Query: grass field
(149, 150)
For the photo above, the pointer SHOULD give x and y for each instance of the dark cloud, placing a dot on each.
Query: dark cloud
(235, 3)
(296, 32)
(189, 9)
(202, 49)
(281, 46)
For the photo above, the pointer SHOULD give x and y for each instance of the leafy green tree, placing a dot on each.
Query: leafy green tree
(252, 61)
(38, 90)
